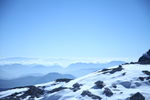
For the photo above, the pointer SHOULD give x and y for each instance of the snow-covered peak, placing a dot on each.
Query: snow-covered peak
(123, 82)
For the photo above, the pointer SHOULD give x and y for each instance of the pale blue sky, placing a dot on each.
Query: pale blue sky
(74, 28)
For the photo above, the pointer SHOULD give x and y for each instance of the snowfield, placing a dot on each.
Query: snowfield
(11, 91)
(123, 82)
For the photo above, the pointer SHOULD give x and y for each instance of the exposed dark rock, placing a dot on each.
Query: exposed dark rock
(113, 70)
(133, 62)
(76, 87)
(123, 73)
(145, 59)
(148, 78)
(105, 72)
(145, 78)
(105, 69)
(57, 89)
(146, 72)
(126, 64)
(126, 84)
(116, 69)
(63, 80)
(88, 93)
(53, 84)
(141, 78)
(114, 85)
(84, 93)
(12, 97)
(33, 92)
(108, 92)
(99, 85)
(137, 96)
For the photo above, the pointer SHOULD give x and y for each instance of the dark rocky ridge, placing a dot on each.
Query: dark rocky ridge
(145, 59)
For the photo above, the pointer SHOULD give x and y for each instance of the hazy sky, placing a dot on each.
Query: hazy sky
(74, 28)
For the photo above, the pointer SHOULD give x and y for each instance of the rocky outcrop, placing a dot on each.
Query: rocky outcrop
(146, 72)
(145, 59)
(108, 92)
(57, 89)
(32, 92)
(137, 96)
(112, 70)
(63, 80)
(76, 87)
(99, 85)
(89, 94)
(119, 68)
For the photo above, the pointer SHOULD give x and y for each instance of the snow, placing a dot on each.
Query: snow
(132, 74)
(9, 92)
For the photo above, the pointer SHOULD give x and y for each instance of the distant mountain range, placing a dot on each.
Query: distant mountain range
(12, 71)
(14, 75)
(32, 80)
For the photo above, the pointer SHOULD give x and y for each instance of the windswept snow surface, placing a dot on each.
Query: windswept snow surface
(132, 73)
(12, 91)
(118, 83)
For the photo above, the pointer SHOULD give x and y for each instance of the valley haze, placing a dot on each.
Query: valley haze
(64, 61)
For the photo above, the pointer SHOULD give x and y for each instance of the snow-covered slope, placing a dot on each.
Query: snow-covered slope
(123, 82)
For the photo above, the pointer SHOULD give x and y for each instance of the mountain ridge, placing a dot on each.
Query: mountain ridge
(129, 81)
(32, 80)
